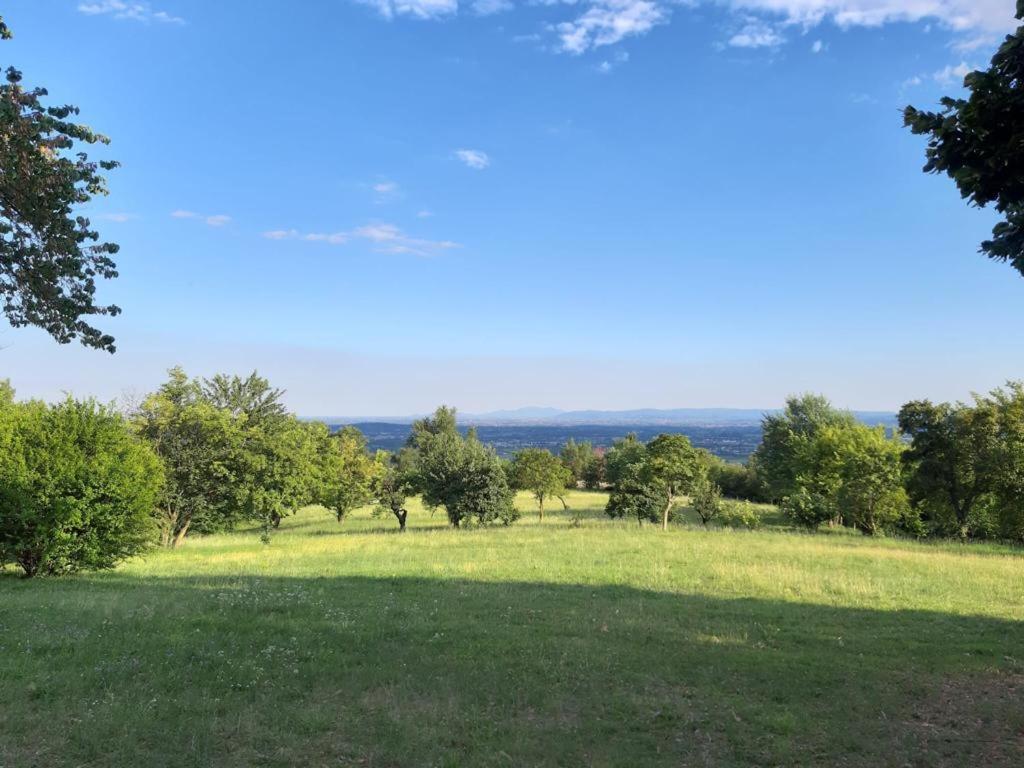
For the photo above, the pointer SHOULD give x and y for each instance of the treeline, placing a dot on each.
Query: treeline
(84, 485)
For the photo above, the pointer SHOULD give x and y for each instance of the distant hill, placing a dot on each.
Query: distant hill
(641, 416)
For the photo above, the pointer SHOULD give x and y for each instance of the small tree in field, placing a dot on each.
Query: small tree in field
(636, 495)
(349, 472)
(672, 462)
(394, 486)
(536, 470)
(77, 488)
(706, 499)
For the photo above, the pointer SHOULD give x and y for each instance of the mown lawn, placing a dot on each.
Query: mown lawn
(536, 645)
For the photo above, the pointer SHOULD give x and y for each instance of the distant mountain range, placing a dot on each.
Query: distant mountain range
(641, 416)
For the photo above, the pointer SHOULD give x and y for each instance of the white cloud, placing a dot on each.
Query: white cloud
(122, 9)
(607, 22)
(756, 34)
(215, 220)
(910, 82)
(424, 214)
(386, 238)
(955, 14)
(597, 23)
(420, 9)
(118, 217)
(386, 191)
(952, 75)
(473, 158)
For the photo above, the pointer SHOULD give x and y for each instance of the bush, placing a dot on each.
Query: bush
(77, 488)
(740, 514)
(706, 500)
(738, 481)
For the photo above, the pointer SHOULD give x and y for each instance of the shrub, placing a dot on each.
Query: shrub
(77, 488)
(706, 499)
(740, 514)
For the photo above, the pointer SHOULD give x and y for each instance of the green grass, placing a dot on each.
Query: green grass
(536, 645)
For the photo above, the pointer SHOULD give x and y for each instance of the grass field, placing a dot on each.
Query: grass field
(536, 645)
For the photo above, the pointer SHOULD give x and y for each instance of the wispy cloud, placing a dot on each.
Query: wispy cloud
(473, 158)
(385, 191)
(385, 238)
(756, 33)
(607, 22)
(420, 9)
(214, 220)
(123, 9)
(592, 24)
(952, 74)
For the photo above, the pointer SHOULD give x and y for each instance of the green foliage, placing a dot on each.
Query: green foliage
(785, 440)
(536, 470)
(671, 462)
(50, 257)
(77, 488)
(740, 514)
(871, 495)
(583, 463)
(951, 463)
(637, 495)
(706, 499)
(594, 474)
(251, 397)
(394, 485)
(979, 143)
(624, 453)
(460, 474)
(350, 474)
(200, 448)
(809, 508)
(231, 453)
(737, 481)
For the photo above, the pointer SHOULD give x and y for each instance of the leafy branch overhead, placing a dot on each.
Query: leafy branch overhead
(979, 143)
(50, 257)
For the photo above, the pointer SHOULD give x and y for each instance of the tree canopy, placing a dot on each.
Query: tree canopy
(50, 256)
(979, 143)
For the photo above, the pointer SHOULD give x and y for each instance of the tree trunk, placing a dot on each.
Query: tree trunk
(664, 514)
(180, 535)
(401, 515)
(540, 508)
(275, 519)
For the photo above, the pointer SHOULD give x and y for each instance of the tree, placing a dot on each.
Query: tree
(871, 495)
(200, 448)
(50, 258)
(594, 473)
(707, 499)
(536, 470)
(350, 473)
(252, 397)
(672, 462)
(636, 495)
(579, 459)
(951, 462)
(393, 488)
(785, 437)
(625, 452)
(460, 474)
(77, 488)
(979, 143)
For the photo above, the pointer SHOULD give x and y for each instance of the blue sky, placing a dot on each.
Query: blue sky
(600, 204)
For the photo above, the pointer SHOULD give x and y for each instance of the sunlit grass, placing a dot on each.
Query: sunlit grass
(537, 644)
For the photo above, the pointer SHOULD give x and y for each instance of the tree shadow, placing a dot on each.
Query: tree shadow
(114, 670)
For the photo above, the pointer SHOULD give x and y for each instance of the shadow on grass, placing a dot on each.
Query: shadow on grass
(116, 670)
